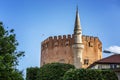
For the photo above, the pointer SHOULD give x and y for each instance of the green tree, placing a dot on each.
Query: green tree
(89, 74)
(32, 73)
(9, 56)
(53, 71)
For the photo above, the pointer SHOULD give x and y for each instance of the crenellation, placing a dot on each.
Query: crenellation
(64, 40)
(69, 36)
(59, 37)
(99, 41)
(55, 37)
(84, 38)
(91, 38)
(88, 38)
(64, 37)
(47, 40)
(56, 41)
(60, 41)
(50, 42)
(96, 39)
(50, 38)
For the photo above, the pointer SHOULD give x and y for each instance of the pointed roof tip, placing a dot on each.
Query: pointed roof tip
(77, 20)
(77, 8)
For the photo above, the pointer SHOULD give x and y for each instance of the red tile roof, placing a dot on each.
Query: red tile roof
(110, 60)
(113, 59)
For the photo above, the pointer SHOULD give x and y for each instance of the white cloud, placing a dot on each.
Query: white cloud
(114, 49)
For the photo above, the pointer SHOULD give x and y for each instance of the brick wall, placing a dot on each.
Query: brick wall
(59, 49)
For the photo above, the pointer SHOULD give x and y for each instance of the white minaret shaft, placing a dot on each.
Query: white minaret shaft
(77, 46)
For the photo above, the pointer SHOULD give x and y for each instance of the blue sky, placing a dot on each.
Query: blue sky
(35, 20)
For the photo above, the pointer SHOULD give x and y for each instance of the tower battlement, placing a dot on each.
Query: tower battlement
(55, 41)
(66, 40)
(90, 38)
(59, 37)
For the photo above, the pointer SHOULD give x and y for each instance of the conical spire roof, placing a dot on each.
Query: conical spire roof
(77, 22)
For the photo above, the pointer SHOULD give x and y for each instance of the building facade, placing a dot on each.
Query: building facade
(111, 62)
(76, 49)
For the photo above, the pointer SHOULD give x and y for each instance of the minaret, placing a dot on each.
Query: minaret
(78, 45)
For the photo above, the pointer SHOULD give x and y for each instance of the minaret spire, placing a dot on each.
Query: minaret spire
(77, 27)
(78, 45)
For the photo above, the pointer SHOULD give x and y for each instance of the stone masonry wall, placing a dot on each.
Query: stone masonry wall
(59, 49)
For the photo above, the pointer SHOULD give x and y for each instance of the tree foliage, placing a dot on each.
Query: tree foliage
(89, 74)
(53, 71)
(9, 55)
(32, 73)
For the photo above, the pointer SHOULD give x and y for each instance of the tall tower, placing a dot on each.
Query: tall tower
(78, 45)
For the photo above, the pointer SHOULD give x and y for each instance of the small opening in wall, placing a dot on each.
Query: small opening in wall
(66, 43)
(86, 61)
(90, 44)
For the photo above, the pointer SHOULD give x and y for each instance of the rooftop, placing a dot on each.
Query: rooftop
(111, 59)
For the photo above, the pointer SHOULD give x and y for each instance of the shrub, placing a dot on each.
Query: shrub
(109, 75)
(53, 71)
(89, 74)
(32, 73)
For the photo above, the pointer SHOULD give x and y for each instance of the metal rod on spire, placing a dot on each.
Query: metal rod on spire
(77, 8)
